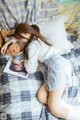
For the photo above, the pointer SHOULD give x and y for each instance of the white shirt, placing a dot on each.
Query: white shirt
(37, 51)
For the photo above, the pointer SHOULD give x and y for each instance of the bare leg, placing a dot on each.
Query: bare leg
(53, 100)
(55, 104)
(42, 94)
(59, 108)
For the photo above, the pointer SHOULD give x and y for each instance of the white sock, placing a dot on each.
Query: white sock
(74, 114)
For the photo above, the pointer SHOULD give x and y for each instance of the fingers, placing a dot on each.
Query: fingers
(3, 50)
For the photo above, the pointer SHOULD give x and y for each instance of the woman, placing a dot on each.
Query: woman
(58, 72)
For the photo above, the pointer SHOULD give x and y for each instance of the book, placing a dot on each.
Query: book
(15, 68)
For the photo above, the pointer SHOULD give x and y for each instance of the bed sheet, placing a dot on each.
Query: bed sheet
(14, 12)
(18, 96)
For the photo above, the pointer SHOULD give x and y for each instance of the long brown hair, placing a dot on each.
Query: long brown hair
(26, 28)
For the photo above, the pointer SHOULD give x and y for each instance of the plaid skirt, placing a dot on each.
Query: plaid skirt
(56, 74)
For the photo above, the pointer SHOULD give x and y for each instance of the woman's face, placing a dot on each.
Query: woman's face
(26, 39)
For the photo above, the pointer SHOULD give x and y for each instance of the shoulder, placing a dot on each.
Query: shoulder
(35, 44)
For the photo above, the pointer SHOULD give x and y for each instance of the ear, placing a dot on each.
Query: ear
(6, 33)
(10, 32)
(1, 40)
(3, 35)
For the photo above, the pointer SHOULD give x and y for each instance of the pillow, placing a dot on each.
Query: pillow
(54, 30)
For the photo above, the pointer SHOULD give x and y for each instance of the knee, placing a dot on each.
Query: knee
(40, 96)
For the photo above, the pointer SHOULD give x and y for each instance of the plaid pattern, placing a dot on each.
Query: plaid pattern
(20, 57)
(18, 96)
(13, 12)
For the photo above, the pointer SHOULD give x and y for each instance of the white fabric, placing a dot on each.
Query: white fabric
(38, 50)
(74, 114)
(54, 30)
(66, 105)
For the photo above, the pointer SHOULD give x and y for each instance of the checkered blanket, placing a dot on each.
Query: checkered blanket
(18, 96)
(13, 12)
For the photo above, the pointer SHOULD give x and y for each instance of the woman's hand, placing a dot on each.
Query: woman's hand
(3, 49)
(5, 46)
